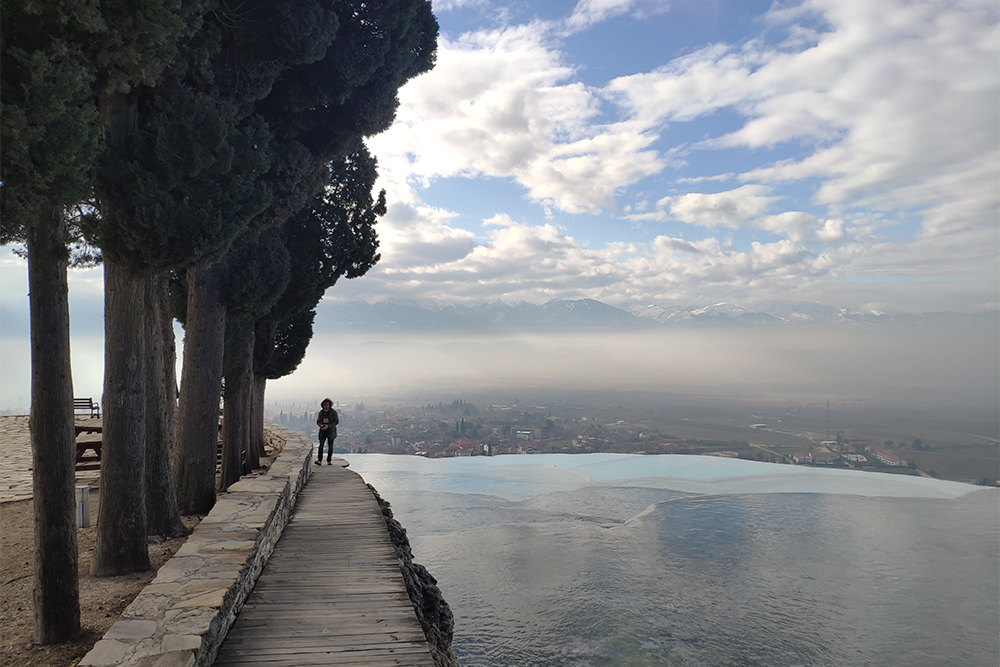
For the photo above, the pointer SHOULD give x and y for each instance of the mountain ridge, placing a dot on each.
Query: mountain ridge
(594, 315)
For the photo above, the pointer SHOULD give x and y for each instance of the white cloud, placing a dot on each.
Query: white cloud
(690, 180)
(833, 230)
(590, 12)
(743, 207)
(733, 208)
(448, 5)
(889, 109)
(688, 87)
(667, 244)
(539, 262)
(898, 100)
(502, 104)
(420, 235)
(793, 225)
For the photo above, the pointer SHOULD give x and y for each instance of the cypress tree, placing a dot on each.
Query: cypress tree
(260, 44)
(56, 62)
(259, 274)
(332, 237)
(316, 113)
(178, 182)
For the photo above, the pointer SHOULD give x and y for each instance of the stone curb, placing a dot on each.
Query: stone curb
(182, 617)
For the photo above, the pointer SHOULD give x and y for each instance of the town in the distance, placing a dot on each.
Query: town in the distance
(790, 435)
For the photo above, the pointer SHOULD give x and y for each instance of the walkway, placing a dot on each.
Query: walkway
(332, 592)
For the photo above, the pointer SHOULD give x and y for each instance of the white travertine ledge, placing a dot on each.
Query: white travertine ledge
(182, 617)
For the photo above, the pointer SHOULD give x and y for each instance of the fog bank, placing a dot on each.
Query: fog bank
(935, 366)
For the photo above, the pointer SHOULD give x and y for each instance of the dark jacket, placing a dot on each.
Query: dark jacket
(330, 418)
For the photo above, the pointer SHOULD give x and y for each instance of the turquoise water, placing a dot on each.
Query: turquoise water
(605, 559)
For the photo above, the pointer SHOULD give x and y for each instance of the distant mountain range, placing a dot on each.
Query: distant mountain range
(590, 315)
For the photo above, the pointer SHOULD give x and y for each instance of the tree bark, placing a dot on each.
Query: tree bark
(169, 366)
(201, 382)
(162, 516)
(121, 521)
(53, 453)
(237, 417)
(257, 432)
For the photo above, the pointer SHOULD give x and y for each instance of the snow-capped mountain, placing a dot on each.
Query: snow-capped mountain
(591, 315)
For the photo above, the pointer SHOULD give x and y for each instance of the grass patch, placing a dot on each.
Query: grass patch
(969, 463)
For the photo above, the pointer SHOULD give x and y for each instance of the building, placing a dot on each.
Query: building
(824, 457)
(886, 457)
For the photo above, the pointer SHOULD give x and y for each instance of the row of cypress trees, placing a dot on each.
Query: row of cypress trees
(212, 150)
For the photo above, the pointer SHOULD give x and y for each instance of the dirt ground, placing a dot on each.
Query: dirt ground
(101, 600)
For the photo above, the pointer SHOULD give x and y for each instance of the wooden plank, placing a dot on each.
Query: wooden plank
(332, 592)
(358, 648)
(357, 636)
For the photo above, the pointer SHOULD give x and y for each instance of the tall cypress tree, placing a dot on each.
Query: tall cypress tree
(279, 347)
(178, 182)
(259, 272)
(56, 62)
(316, 113)
(332, 237)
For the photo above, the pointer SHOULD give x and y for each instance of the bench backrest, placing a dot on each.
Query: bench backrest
(86, 404)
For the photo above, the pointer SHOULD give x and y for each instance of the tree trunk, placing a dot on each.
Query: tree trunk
(201, 382)
(53, 453)
(169, 366)
(253, 454)
(162, 516)
(257, 431)
(121, 521)
(237, 419)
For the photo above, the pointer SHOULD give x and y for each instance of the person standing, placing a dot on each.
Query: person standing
(327, 420)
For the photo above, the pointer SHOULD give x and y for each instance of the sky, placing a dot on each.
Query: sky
(698, 151)
(672, 152)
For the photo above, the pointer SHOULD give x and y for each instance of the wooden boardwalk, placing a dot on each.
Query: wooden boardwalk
(332, 592)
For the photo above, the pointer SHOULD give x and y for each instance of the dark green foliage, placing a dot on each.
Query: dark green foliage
(282, 345)
(258, 274)
(348, 213)
(48, 121)
(183, 185)
(137, 38)
(351, 92)
(181, 180)
(377, 48)
(56, 60)
(261, 39)
(332, 237)
(335, 235)
(178, 296)
(318, 111)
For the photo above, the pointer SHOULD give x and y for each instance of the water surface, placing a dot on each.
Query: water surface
(609, 559)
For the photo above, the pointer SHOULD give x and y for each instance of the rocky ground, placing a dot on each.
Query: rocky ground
(101, 600)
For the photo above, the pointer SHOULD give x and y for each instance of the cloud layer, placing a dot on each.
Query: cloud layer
(867, 136)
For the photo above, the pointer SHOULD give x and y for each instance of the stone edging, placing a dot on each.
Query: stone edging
(182, 617)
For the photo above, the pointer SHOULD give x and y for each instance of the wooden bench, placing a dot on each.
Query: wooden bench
(86, 404)
(89, 425)
(85, 441)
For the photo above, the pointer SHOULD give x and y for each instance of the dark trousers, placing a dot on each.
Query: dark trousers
(324, 436)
